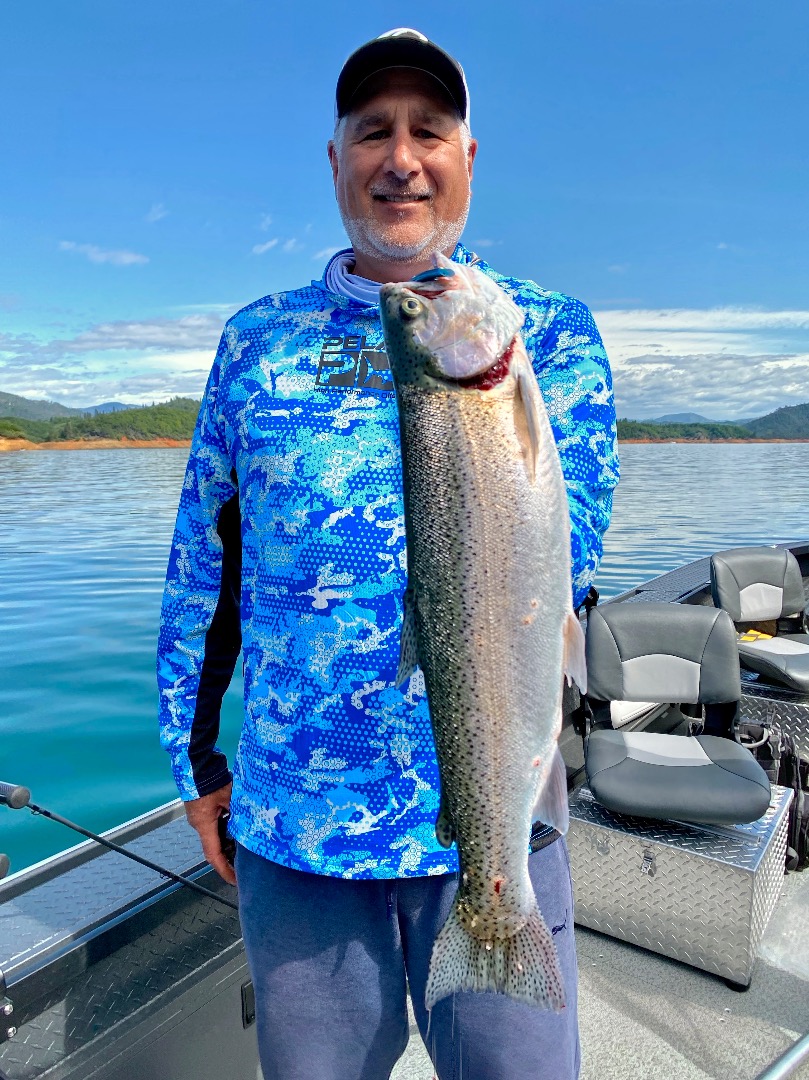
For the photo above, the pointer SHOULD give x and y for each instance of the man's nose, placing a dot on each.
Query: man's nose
(402, 159)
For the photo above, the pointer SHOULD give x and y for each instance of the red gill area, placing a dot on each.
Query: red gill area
(493, 375)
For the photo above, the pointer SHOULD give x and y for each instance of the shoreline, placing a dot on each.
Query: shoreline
(7, 445)
(709, 442)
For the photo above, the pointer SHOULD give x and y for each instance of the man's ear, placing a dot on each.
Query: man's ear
(333, 159)
(470, 155)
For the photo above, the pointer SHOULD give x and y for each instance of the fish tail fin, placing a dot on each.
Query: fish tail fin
(525, 966)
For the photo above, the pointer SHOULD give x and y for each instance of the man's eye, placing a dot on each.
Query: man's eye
(375, 135)
(425, 133)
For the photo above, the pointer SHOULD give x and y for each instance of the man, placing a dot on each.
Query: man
(294, 489)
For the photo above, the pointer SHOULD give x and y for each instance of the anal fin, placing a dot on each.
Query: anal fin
(552, 806)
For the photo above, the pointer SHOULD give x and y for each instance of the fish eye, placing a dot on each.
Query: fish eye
(411, 306)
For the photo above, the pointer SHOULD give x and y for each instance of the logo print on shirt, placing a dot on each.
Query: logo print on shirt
(345, 363)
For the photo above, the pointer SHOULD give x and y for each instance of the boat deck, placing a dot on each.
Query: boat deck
(644, 1016)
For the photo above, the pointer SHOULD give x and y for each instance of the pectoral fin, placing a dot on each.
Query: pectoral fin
(526, 400)
(408, 648)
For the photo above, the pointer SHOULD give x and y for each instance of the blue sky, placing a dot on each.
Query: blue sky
(164, 164)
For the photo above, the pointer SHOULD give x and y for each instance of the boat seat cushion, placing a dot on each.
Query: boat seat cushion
(782, 660)
(701, 778)
(658, 652)
(757, 583)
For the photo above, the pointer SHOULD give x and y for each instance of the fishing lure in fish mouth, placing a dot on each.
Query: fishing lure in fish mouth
(434, 274)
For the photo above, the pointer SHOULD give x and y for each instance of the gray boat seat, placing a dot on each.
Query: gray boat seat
(678, 654)
(763, 586)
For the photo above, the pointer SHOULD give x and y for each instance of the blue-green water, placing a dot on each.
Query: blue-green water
(84, 539)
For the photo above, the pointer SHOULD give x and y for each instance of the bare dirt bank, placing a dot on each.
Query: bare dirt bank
(711, 442)
(92, 444)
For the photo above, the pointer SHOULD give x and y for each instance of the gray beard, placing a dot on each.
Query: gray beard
(365, 237)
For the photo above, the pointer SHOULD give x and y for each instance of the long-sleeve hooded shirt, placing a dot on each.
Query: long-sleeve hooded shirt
(290, 546)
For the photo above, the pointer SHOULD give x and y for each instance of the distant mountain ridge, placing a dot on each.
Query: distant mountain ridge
(789, 422)
(23, 408)
(693, 418)
(680, 418)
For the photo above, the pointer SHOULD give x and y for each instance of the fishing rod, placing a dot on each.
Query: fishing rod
(16, 798)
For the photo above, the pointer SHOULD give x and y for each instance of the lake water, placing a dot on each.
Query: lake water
(83, 549)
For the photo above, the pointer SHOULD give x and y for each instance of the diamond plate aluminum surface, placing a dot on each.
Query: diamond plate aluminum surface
(673, 585)
(119, 988)
(702, 894)
(41, 920)
(782, 708)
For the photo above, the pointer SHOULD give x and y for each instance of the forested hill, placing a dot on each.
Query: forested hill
(36, 409)
(173, 419)
(648, 431)
(27, 409)
(791, 422)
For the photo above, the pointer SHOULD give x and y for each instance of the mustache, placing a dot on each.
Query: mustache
(403, 192)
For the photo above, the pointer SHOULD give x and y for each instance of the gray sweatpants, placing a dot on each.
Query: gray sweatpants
(331, 959)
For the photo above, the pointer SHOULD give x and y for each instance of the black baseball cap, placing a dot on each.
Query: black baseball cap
(402, 47)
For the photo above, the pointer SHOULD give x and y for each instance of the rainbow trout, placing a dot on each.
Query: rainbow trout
(488, 613)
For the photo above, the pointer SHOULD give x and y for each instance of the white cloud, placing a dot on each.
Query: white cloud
(259, 249)
(618, 268)
(137, 361)
(101, 255)
(156, 213)
(326, 253)
(292, 245)
(265, 222)
(486, 243)
(725, 363)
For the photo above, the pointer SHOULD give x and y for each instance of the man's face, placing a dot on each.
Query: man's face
(402, 176)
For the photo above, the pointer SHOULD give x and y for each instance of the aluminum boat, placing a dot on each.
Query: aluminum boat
(109, 971)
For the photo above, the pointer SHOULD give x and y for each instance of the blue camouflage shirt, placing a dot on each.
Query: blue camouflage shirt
(290, 546)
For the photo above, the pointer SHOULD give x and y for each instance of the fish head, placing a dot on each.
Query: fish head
(448, 325)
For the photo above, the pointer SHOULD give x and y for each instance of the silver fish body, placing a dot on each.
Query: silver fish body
(488, 617)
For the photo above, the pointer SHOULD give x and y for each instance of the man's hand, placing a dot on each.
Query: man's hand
(203, 815)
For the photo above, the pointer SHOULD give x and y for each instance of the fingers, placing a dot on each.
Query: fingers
(212, 850)
(203, 815)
